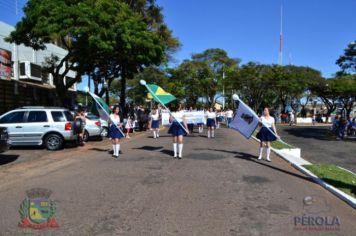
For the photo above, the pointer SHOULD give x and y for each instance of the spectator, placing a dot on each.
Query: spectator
(335, 124)
(343, 123)
(129, 126)
(352, 127)
(291, 118)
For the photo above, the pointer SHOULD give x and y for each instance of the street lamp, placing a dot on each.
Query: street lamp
(86, 90)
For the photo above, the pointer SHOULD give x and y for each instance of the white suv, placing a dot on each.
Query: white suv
(36, 126)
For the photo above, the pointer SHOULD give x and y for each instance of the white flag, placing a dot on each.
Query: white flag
(245, 120)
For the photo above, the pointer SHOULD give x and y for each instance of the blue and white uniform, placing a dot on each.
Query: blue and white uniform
(265, 135)
(211, 117)
(176, 129)
(155, 121)
(114, 127)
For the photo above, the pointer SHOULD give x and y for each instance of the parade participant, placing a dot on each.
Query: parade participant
(115, 133)
(154, 124)
(178, 132)
(229, 115)
(265, 134)
(191, 126)
(79, 125)
(201, 126)
(211, 122)
(219, 118)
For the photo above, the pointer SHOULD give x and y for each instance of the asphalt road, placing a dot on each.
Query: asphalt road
(319, 146)
(218, 188)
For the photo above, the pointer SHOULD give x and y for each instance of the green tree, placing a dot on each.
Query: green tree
(347, 62)
(106, 39)
(252, 83)
(194, 79)
(345, 89)
(218, 62)
(325, 89)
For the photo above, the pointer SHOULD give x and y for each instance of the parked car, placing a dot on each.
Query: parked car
(36, 126)
(4, 139)
(92, 127)
(104, 128)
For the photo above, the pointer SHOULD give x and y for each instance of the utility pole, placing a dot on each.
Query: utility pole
(280, 56)
(223, 90)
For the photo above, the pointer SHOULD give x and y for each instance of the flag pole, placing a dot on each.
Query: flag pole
(236, 97)
(102, 108)
(143, 82)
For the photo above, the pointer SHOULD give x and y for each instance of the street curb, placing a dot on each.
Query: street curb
(338, 193)
(343, 196)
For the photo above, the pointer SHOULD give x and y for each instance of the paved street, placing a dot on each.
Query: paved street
(218, 188)
(318, 146)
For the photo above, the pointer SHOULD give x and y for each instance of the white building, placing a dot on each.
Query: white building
(26, 73)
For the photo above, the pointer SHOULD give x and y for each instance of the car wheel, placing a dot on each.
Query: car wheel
(53, 142)
(104, 132)
(86, 136)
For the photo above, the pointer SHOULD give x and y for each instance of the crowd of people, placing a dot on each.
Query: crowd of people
(343, 127)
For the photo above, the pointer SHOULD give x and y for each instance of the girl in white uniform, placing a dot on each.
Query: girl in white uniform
(211, 122)
(115, 131)
(265, 135)
(178, 132)
(155, 123)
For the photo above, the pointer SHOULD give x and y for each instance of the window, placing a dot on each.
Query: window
(13, 117)
(37, 116)
(69, 116)
(58, 116)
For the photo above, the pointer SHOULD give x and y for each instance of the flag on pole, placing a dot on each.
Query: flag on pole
(245, 120)
(100, 108)
(159, 95)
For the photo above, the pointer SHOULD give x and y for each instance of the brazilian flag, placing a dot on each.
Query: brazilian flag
(159, 95)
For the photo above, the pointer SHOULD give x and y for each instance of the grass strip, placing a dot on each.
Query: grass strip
(335, 176)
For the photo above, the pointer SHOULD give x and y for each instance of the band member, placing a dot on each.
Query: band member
(79, 125)
(155, 123)
(191, 126)
(211, 122)
(178, 132)
(115, 131)
(201, 125)
(219, 118)
(265, 134)
(229, 115)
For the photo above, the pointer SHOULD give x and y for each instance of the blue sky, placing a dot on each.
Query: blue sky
(315, 32)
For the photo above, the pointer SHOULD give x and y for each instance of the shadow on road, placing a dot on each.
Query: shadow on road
(311, 132)
(249, 157)
(149, 148)
(6, 159)
(167, 152)
(99, 149)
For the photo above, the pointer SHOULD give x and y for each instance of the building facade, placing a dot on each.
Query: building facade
(22, 78)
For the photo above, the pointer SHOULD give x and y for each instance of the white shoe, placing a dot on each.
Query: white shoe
(259, 158)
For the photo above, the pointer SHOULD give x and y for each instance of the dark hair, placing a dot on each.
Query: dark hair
(114, 108)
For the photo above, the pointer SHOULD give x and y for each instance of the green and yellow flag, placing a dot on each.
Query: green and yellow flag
(159, 95)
